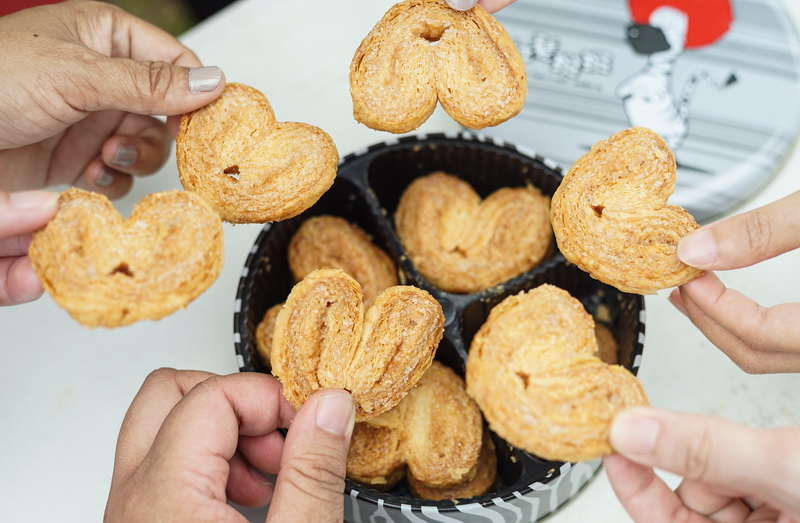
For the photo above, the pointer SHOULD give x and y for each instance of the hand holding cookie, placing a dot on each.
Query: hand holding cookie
(611, 217)
(324, 339)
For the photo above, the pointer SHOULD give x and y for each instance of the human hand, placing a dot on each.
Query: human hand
(80, 80)
(491, 6)
(731, 472)
(758, 339)
(191, 441)
(21, 213)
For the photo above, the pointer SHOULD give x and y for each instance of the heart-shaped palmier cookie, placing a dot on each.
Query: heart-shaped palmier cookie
(532, 371)
(333, 242)
(461, 243)
(611, 218)
(107, 271)
(323, 338)
(252, 168)
(434, 436)
(423, 51)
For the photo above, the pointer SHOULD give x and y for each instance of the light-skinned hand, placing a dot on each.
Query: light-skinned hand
(491, 6)
(191, 441)
(21, 213)
(758, 339)
(732, 473)
(80, 81)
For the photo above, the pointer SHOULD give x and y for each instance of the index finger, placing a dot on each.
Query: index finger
(159, 393)
(207, 423)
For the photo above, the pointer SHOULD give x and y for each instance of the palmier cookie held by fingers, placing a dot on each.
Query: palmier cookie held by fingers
(333, 242)
(252, 168)
(423, 51)
(611, 217)
(462, 243)
(107, 271)
(323, 338)
(532, 370)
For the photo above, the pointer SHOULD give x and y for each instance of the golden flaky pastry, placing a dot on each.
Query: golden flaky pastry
(265, 331)
(333, 242)
(251, 168)
(323, 338)
(461, 243)
(421, 52)
(611, 218)
(435, 435)
(107, 271)
(532, 370)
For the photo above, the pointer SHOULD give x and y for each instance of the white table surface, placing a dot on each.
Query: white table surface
(64, 389)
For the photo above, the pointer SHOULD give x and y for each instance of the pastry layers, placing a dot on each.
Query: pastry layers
(611, 217)
(532, 370)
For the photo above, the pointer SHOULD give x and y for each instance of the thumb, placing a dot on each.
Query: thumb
(146, 87)
(745, 239)
(24, 212)
(709, 450)
(310, 484)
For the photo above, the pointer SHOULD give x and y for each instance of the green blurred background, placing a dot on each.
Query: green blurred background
(175, 16)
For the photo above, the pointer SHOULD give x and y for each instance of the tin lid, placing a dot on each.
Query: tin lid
(718, 79)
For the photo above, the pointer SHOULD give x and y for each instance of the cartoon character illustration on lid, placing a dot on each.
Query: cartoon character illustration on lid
(663, 30)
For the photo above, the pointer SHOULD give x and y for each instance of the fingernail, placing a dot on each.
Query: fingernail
(33, 199)
(259, 477)
(698, 249)
(126, 156)
(105, 179)
(336, 413)
(462, 5)
(204, 79)
(634, 433)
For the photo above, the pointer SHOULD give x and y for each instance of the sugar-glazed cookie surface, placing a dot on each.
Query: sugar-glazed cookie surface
(611, 217)
(333, 242)
(423, 51)
(462, 243)
(532, 370)
(323, 338)
(250, 167)
(434, 436)
(107, 271)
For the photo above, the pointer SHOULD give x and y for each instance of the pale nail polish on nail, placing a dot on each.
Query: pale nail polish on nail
(462, 5)
(634, 434)
(126, 156)
(336, 413)
(33, 199)
(699, 249)
(105, 179)
(204, 79)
